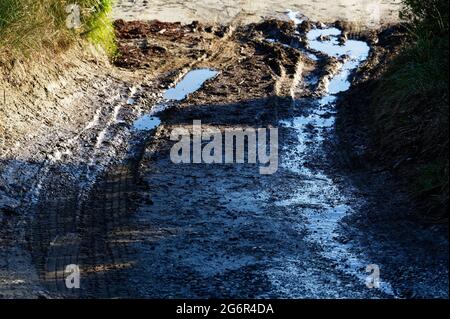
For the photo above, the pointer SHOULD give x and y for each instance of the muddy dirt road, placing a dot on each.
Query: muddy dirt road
(138, 225)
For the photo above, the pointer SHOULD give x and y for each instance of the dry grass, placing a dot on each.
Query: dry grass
(38, 27)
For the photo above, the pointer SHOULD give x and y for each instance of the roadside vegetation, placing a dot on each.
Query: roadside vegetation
(411, 106)
(38, 27)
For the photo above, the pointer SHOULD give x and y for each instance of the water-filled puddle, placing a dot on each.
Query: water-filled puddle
(146, 123)
(311, 130)
(327, 41)
(351, 52)
(190, 83)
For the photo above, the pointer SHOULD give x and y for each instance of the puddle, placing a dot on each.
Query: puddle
(146, 123)
(351, 53)
(311, 130)
(190, 83)
(327, 42)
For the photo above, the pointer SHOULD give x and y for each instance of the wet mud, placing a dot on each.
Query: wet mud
(141, 226)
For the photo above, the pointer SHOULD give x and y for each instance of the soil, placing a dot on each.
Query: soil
(92, 191)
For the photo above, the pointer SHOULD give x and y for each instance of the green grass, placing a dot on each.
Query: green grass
(101, 30)
(411, 104)
(38, 27)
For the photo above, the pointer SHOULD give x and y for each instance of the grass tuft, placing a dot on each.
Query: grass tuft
(30, 27)
(411, 107)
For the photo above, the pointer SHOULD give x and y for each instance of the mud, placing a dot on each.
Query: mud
(110, 200)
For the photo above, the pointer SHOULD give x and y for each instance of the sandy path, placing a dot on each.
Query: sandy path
(369, 13)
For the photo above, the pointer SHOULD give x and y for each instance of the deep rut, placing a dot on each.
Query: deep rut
(87, 234)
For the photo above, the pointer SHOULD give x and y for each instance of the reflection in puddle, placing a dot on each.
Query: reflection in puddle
(190, 83)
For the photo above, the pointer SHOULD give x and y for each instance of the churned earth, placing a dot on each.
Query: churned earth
(111, 201)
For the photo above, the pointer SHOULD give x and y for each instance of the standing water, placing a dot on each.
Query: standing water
(325, 205)
(352, 53)
(190, 83)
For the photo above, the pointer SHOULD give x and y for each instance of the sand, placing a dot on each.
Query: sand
(371, 13)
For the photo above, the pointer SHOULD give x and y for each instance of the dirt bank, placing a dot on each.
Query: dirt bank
(62, 113)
